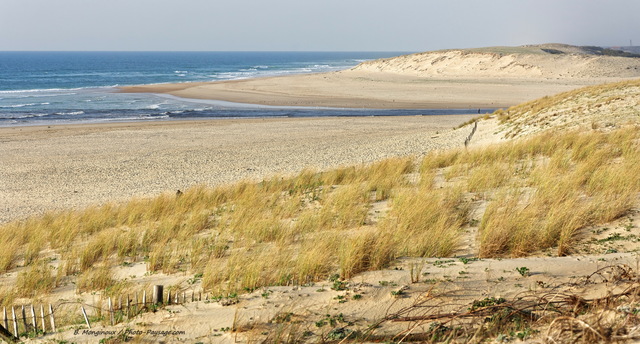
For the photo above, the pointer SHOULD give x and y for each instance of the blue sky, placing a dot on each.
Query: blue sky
(312, 25)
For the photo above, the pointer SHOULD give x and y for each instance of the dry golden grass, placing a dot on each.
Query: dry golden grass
(539, 192)
(596, 107)
(37, 279)
(99, 278)
(586, 180)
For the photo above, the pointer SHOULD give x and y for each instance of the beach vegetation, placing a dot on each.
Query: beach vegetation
(37, 279)
(534, 193)
(97, 279)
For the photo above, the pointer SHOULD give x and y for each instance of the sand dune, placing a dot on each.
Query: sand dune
(544, 61)
(473, 78)
(602, 106)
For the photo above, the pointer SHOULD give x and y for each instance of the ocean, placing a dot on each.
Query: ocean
(41, 88)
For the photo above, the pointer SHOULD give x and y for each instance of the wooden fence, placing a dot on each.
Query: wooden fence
(36, 320)
(473, 131)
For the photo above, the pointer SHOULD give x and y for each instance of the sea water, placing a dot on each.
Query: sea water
(80, 87)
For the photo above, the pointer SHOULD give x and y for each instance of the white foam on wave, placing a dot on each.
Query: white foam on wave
(128, 118)
(155, 106)
(150, 117)
(235, 75)
(24, 96)
(15, 106)
(33, 115)
(40, 90)
(72, 113)
(63, 91)
(22, 116)
(259, 71)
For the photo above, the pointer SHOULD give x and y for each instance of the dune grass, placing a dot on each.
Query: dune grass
(599, 106)
(539, 192)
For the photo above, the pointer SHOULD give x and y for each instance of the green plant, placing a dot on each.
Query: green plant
(387, 283)
(486, 302)
(339, 285)
(523, 271)
(339, 333)
(399, 293)
(465, 260)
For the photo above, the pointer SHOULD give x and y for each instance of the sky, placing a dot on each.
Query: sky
(312, 25)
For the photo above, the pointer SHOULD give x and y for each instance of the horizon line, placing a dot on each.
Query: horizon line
(211, 51)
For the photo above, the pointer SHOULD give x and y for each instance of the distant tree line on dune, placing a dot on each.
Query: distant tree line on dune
(610, 52)
(593, 50)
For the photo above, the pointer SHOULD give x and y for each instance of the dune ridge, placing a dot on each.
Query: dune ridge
(540, 61)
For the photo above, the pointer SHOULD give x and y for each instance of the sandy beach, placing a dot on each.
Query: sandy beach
(375, 90)
(58, 167)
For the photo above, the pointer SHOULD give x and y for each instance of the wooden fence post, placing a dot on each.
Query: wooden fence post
(15, 322)
(128, 307)
(157, 294)
(144, 299)
(4, 330)
(111, 311)
(24, 319)
(5, 321)
(34, 321)
(169, 297)
(44, 324)
(86, 318)
(52, 319)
